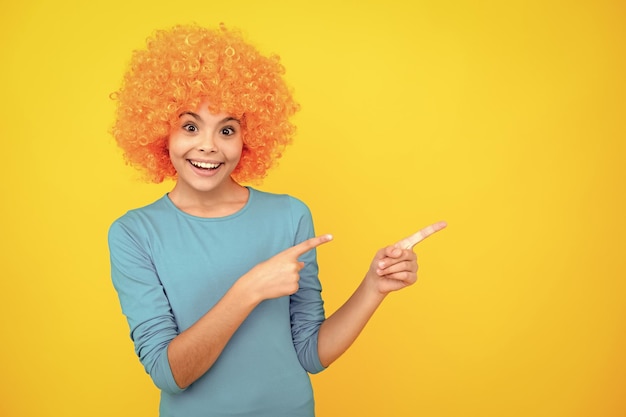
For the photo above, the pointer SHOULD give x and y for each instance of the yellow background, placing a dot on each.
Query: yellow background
(504, 118)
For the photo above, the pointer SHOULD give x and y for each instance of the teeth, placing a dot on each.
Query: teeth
(205, 165)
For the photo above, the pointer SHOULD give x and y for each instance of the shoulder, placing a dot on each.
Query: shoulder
(276, 198)
(279, 202)
(140, 219)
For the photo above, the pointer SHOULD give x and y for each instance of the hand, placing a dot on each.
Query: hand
(395, 267)
(279, 275)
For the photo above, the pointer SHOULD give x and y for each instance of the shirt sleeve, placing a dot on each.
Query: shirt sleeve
(144, 303)
(306, 305)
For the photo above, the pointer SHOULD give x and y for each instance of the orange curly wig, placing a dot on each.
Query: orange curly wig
(179, 69)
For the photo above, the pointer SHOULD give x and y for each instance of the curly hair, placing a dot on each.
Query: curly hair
(185, 65)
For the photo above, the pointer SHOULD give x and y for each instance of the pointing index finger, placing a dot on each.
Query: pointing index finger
(303, 247)
(409, 242)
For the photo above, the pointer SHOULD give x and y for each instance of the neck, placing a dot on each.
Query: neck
(221, 202)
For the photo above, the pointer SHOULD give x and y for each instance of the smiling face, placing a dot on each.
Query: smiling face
(204, 149)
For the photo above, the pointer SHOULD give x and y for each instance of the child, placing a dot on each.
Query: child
(219, 281)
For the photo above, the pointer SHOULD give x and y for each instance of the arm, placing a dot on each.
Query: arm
(191, 353)
(393, 268)
(194, 351)
(174, 360)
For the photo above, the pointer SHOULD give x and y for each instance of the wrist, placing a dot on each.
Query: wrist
(243, 291)
(371, 287)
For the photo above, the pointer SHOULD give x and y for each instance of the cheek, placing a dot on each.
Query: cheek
(236, 150)
(175, 154)
(174, 146)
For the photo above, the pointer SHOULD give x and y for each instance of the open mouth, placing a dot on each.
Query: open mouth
(205, 165)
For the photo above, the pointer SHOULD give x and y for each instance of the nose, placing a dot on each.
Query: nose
(207, 143)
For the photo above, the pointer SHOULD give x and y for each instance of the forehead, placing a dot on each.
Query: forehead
(206, 108)
(205, 117)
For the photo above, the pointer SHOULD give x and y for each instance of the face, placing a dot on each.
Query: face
(205, 148)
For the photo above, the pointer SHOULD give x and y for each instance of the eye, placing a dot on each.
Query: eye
(190, 127)
(227, 131)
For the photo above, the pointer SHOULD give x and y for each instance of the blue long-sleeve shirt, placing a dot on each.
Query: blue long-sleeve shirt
(169, 268)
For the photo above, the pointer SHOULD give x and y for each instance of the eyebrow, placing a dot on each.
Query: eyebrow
(197, 117)
(190, 113)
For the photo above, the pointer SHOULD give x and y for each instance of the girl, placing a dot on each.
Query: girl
(219, 281)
